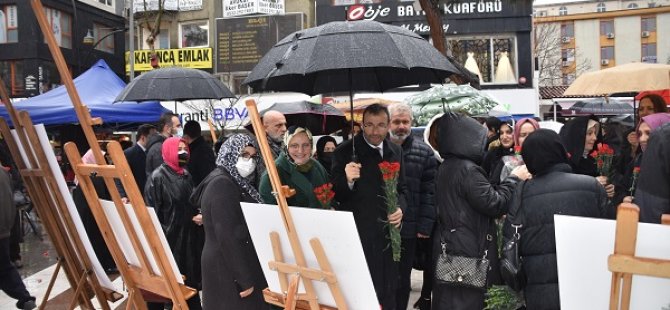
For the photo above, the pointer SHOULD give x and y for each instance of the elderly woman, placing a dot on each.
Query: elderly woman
(297, 169)
(168, 190)
(232, 276)
(552, 190)
(647, 125)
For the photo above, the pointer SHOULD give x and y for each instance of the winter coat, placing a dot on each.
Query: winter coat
(466, 205)
(201, 161)
(420, 168)
(168, 193)
(557, 192)
(7, 208)
(653, 188)
(154, 155)
(303, 183)
(229, 261)
(137, 160)
(493, 163)
(366, 202)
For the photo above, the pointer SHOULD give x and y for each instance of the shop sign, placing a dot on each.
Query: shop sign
(195, 58)
(232, 8)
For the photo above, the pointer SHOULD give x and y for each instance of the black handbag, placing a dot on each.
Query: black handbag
(511, 263)
(460, 270)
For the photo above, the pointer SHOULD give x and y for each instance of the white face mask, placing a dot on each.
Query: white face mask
(245, 166)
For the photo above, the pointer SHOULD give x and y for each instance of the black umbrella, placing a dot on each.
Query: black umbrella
(174, 83)
(320, 119)
(349, 56)
(602, 106)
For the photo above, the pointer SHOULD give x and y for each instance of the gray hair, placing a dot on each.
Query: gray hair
(400, 107)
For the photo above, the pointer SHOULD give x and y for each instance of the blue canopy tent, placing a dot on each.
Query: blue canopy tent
(97, 88)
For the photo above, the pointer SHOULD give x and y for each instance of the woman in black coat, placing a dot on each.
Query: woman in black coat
(168, 191)
(554, 189)
(466, 204)
(232, 276)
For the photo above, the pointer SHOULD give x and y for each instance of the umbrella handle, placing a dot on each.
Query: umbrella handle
(445, 106)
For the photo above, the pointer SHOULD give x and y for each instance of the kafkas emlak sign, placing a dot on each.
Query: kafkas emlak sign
(233, 8)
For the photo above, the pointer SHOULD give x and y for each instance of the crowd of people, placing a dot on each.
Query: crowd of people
(455, 188)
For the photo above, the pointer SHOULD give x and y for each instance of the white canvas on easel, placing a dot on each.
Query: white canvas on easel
(582, 248)
(67, 197)
(125, 244)
(338, 234)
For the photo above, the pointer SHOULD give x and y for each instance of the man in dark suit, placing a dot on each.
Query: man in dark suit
(202, 159)
(136, 156)
(358, 187)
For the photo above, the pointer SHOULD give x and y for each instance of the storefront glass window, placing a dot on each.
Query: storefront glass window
(61, 25)
(12, 74)
(107, 45)
(9, 25)
(493, 58)
(194, 34)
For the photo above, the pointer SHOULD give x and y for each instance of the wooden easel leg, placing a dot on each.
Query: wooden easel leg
(78, 290)
(615, 290)
(292, 293)
(626, 290)
(324, 264)
(279, 257)
(131, 300)
(52, 281)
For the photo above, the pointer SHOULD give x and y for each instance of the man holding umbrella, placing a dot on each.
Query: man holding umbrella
(358, 187)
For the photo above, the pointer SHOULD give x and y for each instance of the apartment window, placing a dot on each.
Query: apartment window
(568, 54)
(568, 78)
(9, 26)
(606, 27)
(194, 34)
(632, 6)
(607, 52)
(563, 11)
(652, 4)
(61, 25)
(493, 57)
(12, 73)
(648, 24)
(106, 2)
(161, 42)
(568, 29)
(649, 53)
(107, 45)
(601, 7)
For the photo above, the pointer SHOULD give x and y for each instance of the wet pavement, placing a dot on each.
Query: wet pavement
(39, 263)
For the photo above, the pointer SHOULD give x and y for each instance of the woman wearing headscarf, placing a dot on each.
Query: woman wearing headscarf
(466, 204)
(297, 169)
(522, 129)
(493, 163)
(652, 195)
(580, 136)
(325, 147)
(168, 190)
(232, 275)
(647, 125)
(552, 190)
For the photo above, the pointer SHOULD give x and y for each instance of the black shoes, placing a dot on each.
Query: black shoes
(422, 304)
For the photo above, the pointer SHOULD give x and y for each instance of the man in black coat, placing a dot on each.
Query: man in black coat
(202, 160)
(419, 217)
(358, 187)
(136, 156)
(10, 280)
(168, 126)
(653, 189)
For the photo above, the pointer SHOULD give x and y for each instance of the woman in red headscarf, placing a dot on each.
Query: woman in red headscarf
(168, 191)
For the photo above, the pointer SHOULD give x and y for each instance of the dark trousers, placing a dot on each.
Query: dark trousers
(15, 238)
(428, 270)
(10, 280)
(406, 262)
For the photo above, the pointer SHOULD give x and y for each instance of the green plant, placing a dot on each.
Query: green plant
(501, 297)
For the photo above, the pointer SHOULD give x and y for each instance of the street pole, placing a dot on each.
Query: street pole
(131, 43)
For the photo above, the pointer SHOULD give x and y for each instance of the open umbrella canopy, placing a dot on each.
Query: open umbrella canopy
(602, 106)
(439, 99)
(632, 77)
(349, 56)
(359, 106)
(174, 83)
(320, 119)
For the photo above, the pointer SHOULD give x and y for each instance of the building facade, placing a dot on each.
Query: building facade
(570, 44)
(26, 65)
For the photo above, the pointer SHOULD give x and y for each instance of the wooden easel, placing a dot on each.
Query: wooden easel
(624, 264)
(299, 271)
(140, 280)
(53, 211)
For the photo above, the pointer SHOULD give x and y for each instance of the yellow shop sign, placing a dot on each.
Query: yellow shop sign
(196, 58)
